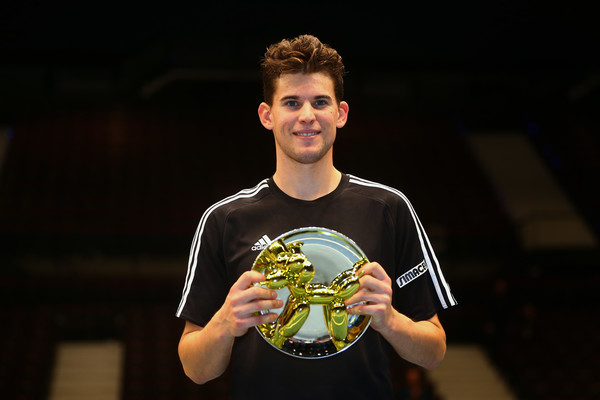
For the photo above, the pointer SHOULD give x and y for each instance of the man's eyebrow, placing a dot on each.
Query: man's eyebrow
(294, 97)
(291, 97)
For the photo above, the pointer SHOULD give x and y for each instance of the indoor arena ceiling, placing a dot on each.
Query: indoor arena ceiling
(51, 47)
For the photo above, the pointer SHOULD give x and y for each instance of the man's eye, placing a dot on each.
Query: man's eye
(292, 103)
(320, 103)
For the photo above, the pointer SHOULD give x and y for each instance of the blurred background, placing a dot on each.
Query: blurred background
(120, 123)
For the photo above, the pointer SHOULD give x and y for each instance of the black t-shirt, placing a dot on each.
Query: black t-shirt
(379, 219)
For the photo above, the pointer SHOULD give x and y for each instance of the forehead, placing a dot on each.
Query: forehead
(304, 85)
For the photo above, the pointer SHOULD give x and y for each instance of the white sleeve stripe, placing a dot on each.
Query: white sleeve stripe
(428, 252)
(196, 242)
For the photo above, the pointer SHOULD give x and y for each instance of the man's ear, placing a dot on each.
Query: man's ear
(264, 114)
(343, 110)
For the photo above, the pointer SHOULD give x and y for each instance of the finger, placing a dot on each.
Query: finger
(261, 319)
(241, 325)
(375, 311)
(247, 279)
(252, 295)
(257, 306)
(371, 304)
(372, 284)
(245, 289)
(367, 297)
(375, 270)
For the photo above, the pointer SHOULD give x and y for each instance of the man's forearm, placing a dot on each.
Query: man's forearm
(204, 352)
(422, 343)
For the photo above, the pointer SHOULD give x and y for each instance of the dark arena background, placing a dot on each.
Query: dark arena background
(120, 124)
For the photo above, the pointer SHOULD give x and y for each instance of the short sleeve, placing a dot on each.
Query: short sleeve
(420, 287)
(206, 284)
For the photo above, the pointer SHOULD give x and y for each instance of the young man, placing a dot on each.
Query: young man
(402, 289)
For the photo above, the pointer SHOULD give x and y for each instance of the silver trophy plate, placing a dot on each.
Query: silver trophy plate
(313, 270)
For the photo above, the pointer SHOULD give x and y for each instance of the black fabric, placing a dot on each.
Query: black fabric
(381, 222)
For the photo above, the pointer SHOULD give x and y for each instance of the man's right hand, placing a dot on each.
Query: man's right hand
(205, 351)
(240, 309)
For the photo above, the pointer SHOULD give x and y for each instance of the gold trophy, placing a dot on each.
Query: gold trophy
(314, 321)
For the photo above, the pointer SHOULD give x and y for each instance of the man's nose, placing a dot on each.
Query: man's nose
(307, 114)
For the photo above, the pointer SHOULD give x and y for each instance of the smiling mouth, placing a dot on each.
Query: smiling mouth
(306, 134)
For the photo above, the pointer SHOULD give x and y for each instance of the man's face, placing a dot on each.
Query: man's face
(304, 117)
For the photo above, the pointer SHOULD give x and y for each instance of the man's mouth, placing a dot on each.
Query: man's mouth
(306, 134)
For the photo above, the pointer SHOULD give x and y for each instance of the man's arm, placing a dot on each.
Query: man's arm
(421, 342)
(205, 351)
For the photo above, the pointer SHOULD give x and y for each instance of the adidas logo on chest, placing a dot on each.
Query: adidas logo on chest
(262, 243)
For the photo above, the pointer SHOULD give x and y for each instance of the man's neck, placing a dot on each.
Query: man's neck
(307, 182)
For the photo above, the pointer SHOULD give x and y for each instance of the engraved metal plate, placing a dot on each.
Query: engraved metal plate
(313, 271)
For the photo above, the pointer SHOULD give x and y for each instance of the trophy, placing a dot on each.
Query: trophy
(314, 271)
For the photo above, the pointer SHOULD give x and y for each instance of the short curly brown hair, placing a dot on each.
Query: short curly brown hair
(303, 54)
